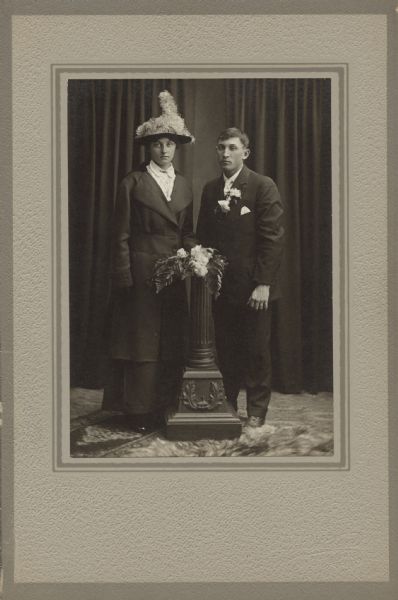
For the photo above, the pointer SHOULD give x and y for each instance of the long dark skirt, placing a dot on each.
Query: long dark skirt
(138, 388)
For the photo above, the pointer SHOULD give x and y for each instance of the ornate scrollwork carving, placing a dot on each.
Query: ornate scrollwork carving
(208, 401)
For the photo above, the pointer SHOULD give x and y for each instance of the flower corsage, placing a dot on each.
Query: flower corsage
(231, 196)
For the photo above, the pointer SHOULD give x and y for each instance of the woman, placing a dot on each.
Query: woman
(153, 219)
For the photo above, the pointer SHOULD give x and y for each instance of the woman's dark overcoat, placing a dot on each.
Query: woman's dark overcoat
(147, 326)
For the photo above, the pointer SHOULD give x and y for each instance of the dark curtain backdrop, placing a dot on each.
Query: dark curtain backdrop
(288, 122)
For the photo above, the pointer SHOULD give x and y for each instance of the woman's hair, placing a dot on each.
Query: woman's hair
(232, 132)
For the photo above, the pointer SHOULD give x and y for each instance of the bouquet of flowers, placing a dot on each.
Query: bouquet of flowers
(199, 262)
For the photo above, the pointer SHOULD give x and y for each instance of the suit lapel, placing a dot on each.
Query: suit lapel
(216, 194)
(220, 188)
(181, 195)
(242, 179)
(150, 194)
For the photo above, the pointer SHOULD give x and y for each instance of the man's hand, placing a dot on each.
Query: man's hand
(259, 298)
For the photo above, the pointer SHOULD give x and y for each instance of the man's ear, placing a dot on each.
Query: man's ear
(246, 153)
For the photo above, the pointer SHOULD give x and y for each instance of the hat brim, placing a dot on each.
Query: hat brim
(179, 139)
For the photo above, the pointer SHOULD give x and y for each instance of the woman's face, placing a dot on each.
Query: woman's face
(162, 152)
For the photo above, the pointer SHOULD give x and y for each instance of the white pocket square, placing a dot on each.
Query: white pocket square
(244, 210)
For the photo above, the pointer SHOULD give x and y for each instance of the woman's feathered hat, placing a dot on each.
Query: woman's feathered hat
(168, 124)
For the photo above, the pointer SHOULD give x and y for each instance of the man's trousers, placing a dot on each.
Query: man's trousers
(243, 349)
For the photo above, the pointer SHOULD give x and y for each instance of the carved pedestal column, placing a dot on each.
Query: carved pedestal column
(203, 411)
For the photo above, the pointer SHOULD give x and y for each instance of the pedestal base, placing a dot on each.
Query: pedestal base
(203, 410)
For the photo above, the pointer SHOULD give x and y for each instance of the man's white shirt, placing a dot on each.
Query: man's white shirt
(229, 181)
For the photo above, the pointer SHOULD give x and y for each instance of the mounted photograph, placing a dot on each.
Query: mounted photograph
(205, 276)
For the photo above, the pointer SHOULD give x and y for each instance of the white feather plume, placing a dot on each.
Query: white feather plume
(167, 103)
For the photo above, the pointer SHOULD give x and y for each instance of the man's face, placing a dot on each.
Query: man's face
(162, 152)
(231, 153)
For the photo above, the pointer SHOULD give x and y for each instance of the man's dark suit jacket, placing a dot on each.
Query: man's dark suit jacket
(252, 242)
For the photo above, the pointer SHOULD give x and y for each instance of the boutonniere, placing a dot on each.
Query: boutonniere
(224, 205)
(232, 195)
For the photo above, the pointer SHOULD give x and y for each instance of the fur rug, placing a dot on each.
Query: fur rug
(293, 428)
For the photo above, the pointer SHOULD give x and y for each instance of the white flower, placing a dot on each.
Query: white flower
(181, 253)
(224, 205)
(198, 264)
(196, 250)
(200, 270)
(199, 260)
(200, 255)
(235, 192)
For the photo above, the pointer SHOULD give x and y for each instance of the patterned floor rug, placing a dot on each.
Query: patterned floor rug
(296, 426)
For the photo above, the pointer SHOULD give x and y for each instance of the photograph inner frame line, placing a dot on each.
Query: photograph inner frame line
(338, 74)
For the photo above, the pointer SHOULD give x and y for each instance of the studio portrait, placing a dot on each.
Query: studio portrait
(198, 363)
(200, 250)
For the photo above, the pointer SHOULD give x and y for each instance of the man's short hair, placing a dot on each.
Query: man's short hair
(232, 132)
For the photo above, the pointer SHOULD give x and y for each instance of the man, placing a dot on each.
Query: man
(241, 216)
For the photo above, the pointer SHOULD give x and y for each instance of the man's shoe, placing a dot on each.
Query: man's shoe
(255, 422)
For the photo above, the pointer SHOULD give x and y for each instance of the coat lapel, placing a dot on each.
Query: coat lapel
(218, 194)
(150, 194)
(242, 179)
(181, 195)
(240, 183)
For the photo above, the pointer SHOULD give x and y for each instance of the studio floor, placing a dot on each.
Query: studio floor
(296, 425)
